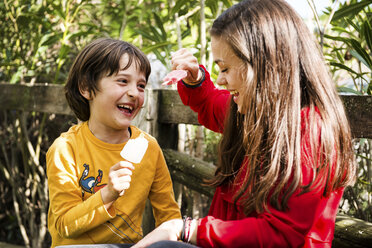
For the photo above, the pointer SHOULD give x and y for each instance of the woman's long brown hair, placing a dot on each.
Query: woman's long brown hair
(261, 150)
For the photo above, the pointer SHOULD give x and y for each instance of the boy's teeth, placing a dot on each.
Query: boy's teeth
(126, 106)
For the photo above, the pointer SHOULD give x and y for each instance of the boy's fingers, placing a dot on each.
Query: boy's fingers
(123, 172)
(126, 164)
(125, 179)
(125, 186)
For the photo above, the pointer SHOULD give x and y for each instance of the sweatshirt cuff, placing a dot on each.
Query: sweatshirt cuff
(108, 213)
(192, 86)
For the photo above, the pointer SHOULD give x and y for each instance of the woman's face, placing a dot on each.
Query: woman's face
(233, 72)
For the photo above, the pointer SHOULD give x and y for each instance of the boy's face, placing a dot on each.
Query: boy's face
(118, 100)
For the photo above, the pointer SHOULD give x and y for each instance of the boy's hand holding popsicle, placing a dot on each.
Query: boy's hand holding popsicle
(120, 174)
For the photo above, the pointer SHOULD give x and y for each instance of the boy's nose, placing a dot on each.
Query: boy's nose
(133, 91)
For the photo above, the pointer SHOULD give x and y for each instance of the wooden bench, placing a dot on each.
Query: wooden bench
(163, 111)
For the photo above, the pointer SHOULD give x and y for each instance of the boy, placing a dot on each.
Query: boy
(90, 198)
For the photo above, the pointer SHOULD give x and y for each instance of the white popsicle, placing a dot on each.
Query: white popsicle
(135, 149)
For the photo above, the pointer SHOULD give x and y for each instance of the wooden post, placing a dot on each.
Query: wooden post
(165, 133)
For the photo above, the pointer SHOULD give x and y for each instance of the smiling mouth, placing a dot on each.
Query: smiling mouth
(234, 93)
(126, 108)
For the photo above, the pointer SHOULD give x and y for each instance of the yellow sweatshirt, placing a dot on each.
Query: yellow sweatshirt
(77, 167)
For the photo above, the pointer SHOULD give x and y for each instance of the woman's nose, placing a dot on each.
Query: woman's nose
(221, 81)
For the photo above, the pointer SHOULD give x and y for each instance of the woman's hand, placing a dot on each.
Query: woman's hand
(118, 181)
(169, 230)
(184, 60)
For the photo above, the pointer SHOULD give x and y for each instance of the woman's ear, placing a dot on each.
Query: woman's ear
(85, 93)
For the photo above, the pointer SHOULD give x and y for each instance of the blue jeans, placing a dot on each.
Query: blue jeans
(96, 246)
(171, 244)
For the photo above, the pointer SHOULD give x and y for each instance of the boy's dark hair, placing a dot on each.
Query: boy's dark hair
(98, 59)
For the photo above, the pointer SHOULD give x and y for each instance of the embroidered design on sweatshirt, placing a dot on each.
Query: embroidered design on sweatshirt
(90, 184)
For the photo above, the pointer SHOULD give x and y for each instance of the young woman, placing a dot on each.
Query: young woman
(286, 152)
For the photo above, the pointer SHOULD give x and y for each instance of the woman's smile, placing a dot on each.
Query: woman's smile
(235, 95)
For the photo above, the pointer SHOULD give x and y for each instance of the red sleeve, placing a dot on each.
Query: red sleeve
(309, 219)
(274, 229)
(209, 102)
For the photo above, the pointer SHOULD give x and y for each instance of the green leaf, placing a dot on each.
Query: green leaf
(340, 29)
(364, 57)
(79, 34)
(356, 55)
(351, 9)
(337, 38)
(160, 57)
(146, 35)
(59, 11)
(17, 76)
(367, 33)
(227, 3)
(213, 5)
(186, 33)
(63, 52)
(160, 25)
(354, 25)
(369, 89)
(156, 46)
(50, 39)
(178, 6)
(8, 53)
(31, 73)
(344, 67)
(156, 33)
(77, 10)
(348, 90)
(339, 56)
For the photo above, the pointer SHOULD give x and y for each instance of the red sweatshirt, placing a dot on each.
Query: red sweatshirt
(309, 220)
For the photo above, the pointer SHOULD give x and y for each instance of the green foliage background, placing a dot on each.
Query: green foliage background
(40, 39)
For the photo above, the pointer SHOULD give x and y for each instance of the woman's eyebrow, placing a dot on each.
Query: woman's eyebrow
(217, 61)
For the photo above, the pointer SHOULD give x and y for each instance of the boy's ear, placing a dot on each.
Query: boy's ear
(85, 93)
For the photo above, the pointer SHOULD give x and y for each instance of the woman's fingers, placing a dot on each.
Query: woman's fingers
(185, 60)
